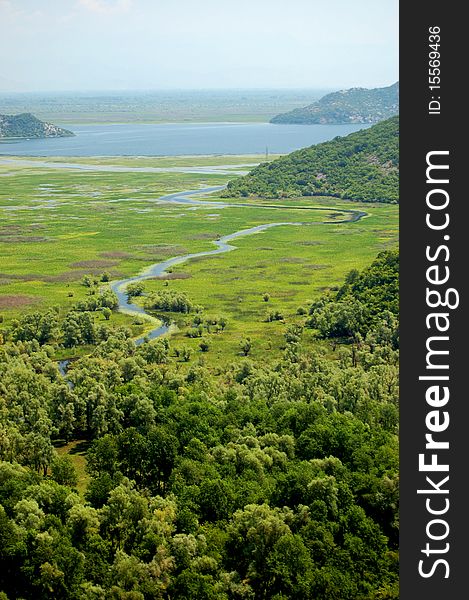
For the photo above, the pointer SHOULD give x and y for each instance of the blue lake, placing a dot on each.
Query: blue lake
(178, 139)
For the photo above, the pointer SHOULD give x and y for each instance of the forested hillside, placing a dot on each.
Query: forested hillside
(27, 125)
(361, 166)
(261, 481)
(356, 105)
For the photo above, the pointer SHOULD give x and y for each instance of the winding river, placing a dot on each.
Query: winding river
(222, 245)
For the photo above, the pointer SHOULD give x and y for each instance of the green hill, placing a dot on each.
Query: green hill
(357, 105)
(361, 166)
(27, 125)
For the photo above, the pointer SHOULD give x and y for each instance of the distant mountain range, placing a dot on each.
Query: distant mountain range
(361, 166)
(356, 105)
(27, 125)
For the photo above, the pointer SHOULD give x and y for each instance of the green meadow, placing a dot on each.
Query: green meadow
(58, 225)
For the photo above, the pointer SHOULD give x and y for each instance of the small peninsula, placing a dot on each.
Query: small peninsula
(26, 125)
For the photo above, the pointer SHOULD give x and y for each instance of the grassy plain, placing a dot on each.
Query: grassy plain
(171, 106)
(58, 225)
(143, 161)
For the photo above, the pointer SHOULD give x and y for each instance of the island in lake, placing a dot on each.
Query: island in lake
(356, 105)
(26, 125)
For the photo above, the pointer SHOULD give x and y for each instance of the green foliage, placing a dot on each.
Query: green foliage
(246, 346)
(63, 471)
(135, 289)
(361, 166)
(90, 281)
(366, 305)
(78, 328)
(204, 345)
(107, 299)
(36, 326)
(274, 315)
(169, 300)
(267, 479)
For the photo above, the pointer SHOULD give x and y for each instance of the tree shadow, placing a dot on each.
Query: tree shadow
(81, 448)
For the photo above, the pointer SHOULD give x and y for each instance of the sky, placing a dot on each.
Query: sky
(85, 45)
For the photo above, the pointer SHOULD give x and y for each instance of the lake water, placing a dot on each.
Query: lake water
(178, 139)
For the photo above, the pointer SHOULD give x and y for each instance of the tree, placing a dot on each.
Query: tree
(252, 536)
(89, 281)
(155, 351)
(102, 457)
(293, 334)
(289, 569)
(185, 353)
(63, 471)
(162, 451)
(39, 452)
(134, 289)
(83, 522)
(216, 500)
(204, 345)
(36, 326)
(170, 300)
(246, 346)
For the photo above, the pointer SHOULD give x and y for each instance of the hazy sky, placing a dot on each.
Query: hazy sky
(160, 44)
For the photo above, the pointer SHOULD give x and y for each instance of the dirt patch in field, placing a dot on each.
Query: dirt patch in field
(17, 300)
(68, 276)
(204, 236)
(19, 229)
(77, 274)
(115, 254)
(94, 264)
(285, 294)
(163, 250)
(15, 276)
(23, 239)
(311, 268)
(170, 276)
(292, 260)
(10, 230)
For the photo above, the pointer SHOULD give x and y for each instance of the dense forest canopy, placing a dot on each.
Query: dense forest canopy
(26, 125)
(356, 105)
(260, 481)
(361, 166)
